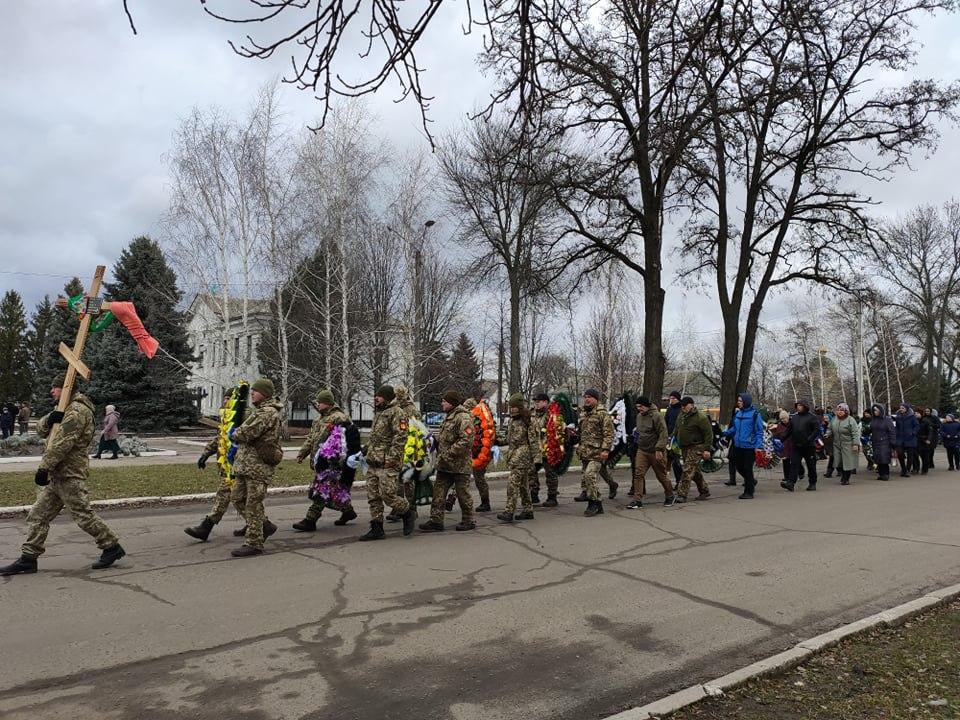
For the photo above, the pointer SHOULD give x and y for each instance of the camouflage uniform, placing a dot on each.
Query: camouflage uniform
(539, 420)
(596, 436)
(221, 500)
(409, 411)
(694, 435)
(523, 441)
(388, 437)
(454, 463)
(260, 430)
(67, 462)
(319, 432)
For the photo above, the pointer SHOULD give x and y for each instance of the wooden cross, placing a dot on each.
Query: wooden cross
(73, 356)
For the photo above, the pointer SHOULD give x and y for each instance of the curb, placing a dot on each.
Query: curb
(38, 458)
(170, 500)
(788, 659)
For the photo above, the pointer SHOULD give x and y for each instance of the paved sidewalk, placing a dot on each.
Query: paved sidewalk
(559, 617)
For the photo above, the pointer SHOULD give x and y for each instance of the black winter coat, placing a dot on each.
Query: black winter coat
(804, 430)
(882, 437)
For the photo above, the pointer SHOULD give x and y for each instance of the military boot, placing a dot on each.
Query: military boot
(240, 532)
(613, 489)
(268, 528)
(431, 526)
(466, 525)
(484, 505)
(202, 531)
(246, 551)
(109, 556)
(551, 501)
(375, 532)
(346, 515)
(393, 517)
(582, 497)
(505, 516)
(524, 515)
(535, 497)
(594, 507)
(26, 564)
(305, 525)
(409, 519)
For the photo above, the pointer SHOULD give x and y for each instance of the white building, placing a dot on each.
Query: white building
(226, 351)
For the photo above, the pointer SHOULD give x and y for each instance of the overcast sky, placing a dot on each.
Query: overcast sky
(88, 110)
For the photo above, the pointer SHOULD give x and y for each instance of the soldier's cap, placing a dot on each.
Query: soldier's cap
(264, 386)
(644, 400)
(592, 392)
(686, 400)
(516, 400)
(59, 381)
(453, 397)
(325, 397)
(385, 392)
(541, 396)
(676, 394)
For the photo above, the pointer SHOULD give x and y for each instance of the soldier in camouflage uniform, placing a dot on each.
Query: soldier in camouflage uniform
(454, 463)
(388, 437)
(539, 417)
(258, 446)
(329, 416)
(479, 476)
(221, 500)
(62, 476)
(596, 438)
(522, 441)
(409, 410)
(695, 437)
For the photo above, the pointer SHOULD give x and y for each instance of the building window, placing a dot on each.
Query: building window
(249, 349)
(200, 358)
(223, 358)
(236, 350)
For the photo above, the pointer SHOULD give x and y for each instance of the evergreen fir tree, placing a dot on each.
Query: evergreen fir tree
(14, 358)
(43, 316)
(464, 367)
(150, 395)
(49, 364)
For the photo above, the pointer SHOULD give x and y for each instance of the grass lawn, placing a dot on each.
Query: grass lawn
(18, 488)
(912, 671)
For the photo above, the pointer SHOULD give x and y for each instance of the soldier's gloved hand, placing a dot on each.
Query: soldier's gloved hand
(55, 417)
(202, 461)
(300, 459)
(42, 477)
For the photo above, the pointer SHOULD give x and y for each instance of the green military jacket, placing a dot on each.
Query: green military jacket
(260, 432)
(693, 431)
(522, 441)
(66, 457)
(320, 431)
(651, 431)
(596, 433)
(455, 441)
(539, 420)
(406, 404)
(388, 437)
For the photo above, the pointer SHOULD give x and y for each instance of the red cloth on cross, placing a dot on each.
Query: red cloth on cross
(126, 313)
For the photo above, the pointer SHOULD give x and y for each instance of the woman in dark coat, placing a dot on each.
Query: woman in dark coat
(927, 438)
(950, 433)
(883, 433)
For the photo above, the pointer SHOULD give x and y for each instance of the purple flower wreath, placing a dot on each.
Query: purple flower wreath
(329, 463)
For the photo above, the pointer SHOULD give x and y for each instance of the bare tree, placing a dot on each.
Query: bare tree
(498, 185)
(793, 124)
(918, 256)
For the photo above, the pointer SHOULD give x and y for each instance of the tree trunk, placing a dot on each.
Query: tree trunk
(729, 373)
(514, 370)
(654, 363)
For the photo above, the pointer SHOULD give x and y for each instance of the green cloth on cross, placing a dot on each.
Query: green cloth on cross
(99, 323)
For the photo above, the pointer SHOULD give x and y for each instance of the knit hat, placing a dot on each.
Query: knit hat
(592, 392)
(385, 392)
(264, 386)
(644, 400)
(844, 407)
(542, 396)
(686, 400)
(675, 394)
(59, 381)
(453, 397)
(325, 397)
(516, 400)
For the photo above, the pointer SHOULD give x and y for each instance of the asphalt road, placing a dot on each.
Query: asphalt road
(559, 617)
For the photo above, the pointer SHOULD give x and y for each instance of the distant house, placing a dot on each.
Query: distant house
(224, 346)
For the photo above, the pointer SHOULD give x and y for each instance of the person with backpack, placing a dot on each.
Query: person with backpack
(746, 434)
(258, 454)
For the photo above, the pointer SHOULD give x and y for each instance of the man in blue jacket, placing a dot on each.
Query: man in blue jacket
(670, 417)
(746, 430)
(908, 427)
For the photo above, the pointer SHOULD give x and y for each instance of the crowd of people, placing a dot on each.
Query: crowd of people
(399, 459)
(14, 416)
